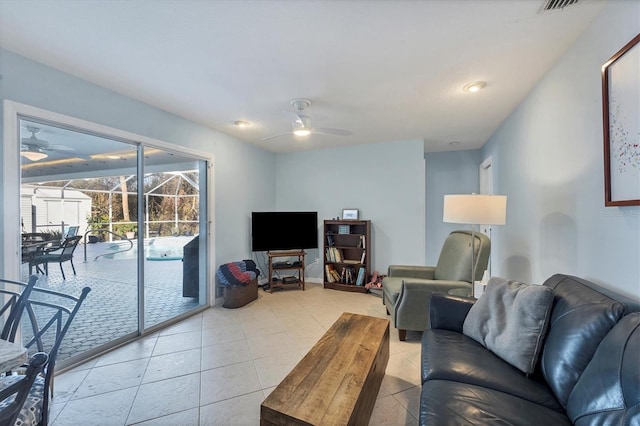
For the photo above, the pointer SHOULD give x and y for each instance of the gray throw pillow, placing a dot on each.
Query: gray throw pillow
(511, 319)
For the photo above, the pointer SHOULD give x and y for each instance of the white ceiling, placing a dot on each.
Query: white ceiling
(385, 70)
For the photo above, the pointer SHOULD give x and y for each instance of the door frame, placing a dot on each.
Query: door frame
(485, 178)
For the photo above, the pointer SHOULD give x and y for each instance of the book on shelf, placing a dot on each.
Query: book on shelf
(351, 261)
(333, 254)
(337, 254)
(364, 255)
(344, 229)
(330, 240)
(328, 255)
(347, 275)
(332, 275)
(360, 279)
(327, 270)
(363, 240)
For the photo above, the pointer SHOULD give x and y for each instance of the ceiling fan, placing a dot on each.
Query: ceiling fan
(301, 125)
(35, 149)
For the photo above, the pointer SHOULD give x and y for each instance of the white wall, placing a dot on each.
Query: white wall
(244, 174)
(453, 172)
(548, 159)
(384, 181)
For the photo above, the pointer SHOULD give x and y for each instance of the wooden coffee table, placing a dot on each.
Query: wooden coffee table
(337, 382)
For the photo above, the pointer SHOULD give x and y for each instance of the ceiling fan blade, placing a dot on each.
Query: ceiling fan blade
(277, 135)
(332, 132)
(33, 141)
(59, 148)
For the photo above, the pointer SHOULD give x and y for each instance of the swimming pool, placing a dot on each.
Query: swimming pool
(155, 249)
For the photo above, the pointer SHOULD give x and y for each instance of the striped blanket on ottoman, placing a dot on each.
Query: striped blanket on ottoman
(239, 281)
(237, 273)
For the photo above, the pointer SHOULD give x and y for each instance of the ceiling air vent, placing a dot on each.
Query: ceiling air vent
(558, 4)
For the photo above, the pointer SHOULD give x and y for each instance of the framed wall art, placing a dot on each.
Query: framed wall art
(349, 214)
(621, 126)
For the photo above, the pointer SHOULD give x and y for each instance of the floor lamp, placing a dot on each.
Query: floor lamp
(475, 209)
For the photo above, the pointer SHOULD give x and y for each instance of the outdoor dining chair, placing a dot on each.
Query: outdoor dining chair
(64, 254)
(46, 319)
(15, 298)
(14, 390)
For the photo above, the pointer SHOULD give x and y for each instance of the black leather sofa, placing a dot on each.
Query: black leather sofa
(587, 373)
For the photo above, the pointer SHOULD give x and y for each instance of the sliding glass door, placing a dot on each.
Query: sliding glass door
(172, 263)
(142, 213)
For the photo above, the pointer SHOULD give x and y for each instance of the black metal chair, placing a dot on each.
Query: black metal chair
(17, 389)
(47, 317)
(14, 305)
(65, 254)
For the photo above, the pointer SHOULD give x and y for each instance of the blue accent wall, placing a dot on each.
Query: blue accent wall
(384, 181)
(452, 172)
(548, 159)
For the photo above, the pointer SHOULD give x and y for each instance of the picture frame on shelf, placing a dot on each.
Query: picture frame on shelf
(349, 214)
(620, 109)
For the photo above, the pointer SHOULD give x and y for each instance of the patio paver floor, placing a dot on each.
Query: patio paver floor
(110, 310)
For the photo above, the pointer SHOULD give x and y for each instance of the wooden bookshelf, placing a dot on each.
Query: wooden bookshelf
(347, 254)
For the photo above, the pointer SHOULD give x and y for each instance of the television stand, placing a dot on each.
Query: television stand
(297, 266)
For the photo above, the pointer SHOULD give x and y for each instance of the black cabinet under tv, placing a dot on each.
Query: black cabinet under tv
(347, 254)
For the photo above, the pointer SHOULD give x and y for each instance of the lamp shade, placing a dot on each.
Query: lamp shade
(475, 209)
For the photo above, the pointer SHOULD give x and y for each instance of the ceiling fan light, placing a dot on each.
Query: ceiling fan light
(302, 132)
(34, 155)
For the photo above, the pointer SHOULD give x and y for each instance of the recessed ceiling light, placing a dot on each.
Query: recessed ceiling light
(474, 87)
(242, 124)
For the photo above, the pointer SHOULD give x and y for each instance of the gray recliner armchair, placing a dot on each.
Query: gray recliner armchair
(406, 290)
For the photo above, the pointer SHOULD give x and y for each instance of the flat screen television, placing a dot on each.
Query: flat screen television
(284, 230)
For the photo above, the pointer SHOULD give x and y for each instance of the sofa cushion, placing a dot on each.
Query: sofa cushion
(448, 355)
(608, 392)
(580, 319)
(31, 411)
(511, 319)
(444, 402)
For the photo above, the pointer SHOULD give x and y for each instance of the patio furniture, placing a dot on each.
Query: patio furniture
(14, 305)
(48, 316)
(33, 243)
(12, 355)
(14, 392)
(72, 231)
(64, 255)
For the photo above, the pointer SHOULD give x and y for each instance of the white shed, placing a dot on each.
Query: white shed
(45, 209)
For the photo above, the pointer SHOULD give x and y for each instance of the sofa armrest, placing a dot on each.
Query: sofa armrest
(422, 272)
(448, 312)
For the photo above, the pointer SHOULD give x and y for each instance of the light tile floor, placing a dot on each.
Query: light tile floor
(217, 367)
